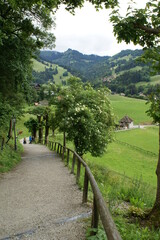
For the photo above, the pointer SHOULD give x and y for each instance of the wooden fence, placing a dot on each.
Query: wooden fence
(99, 206)
(137, 148)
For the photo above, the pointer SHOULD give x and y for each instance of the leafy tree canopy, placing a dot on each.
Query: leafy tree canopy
(140, 26)
(154, 109)
(86, 116)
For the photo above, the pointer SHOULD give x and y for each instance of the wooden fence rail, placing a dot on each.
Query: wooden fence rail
(99, 206)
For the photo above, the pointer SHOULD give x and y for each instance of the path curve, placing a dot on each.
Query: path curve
(40, 200)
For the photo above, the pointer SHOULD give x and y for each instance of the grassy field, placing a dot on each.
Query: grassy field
(40, 67)
(129, 161)
(20, 125)
(146, 138)
(154, 80)
(134, 108)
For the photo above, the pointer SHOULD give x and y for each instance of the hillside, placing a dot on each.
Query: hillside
(44, 72)
(122, 73)
(88, 67)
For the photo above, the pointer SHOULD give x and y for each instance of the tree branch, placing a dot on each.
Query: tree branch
(148, 30)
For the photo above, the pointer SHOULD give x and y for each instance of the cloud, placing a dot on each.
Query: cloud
(88, 31)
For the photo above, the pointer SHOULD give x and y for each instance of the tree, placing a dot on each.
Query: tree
(25, 29)
(154, 112)
(32, 125)
(141, 26)
(86, 116)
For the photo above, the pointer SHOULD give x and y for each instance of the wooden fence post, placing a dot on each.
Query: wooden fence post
(95, 217)
(85, 188)
(78, 170)
(67, 157)
(58, 148)
(63, 153)
(73, 163)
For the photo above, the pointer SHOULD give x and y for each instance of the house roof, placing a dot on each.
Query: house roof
(126, 119)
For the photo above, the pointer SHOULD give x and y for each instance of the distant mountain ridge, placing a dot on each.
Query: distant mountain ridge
(122, 73)
(89, 67)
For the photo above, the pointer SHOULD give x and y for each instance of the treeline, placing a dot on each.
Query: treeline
(129, 65)
(128, 52)
(126, 83)
(94, 68)
(44, 76)
(132, 77)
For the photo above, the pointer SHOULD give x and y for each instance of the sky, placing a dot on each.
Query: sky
(89, 31)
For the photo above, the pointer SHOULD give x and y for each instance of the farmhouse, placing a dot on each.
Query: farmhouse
(126, 122)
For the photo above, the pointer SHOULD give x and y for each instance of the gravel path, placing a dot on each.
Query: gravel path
(40, 200)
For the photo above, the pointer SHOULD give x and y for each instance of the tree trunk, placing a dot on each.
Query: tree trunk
(154, 215)
(15, 137)
(34, 133)
(53, 132)
(46, 130)
(40, 129)
(10, 130)
(158, 175)
(64, 140)
(2, 144)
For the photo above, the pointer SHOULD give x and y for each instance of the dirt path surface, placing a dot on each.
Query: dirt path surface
(40, 200)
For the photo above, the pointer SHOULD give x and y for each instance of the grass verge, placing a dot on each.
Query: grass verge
(9, 157)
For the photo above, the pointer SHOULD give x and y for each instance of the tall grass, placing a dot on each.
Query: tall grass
(9, 157)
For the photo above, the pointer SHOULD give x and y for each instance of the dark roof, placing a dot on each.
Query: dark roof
(126, 119)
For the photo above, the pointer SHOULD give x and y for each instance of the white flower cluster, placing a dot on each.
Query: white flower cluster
(80, 107)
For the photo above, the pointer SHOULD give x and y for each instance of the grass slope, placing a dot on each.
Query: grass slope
(58, 78)
(154, 80)
(38, 66)
(129, 161)
(134, 108)
(146, 138)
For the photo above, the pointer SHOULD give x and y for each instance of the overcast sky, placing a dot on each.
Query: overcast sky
(89, 31)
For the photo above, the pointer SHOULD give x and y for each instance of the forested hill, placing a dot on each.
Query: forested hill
(92, 67)
(122, 73)
(87, 67)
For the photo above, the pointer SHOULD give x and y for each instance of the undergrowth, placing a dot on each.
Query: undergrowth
(9, 157)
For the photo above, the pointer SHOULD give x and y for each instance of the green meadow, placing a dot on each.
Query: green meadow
(40, 67)
(134, 108)
(154, 80)
(145, 138)
(129, 161)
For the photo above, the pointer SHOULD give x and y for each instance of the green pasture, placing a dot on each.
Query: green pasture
(154, 80)
(137, 68)
(145, 138)
(20, 125)
(127, 160)
(40, 67)
(134, 108)
(124, 160)
(59, 77)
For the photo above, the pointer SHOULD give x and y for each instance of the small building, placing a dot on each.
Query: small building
(126, 122)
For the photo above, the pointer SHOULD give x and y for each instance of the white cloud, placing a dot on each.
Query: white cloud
(88, 31)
